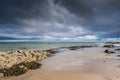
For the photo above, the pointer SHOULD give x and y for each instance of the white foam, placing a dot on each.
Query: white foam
(118, 45)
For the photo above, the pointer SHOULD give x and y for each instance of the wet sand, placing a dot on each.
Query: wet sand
(83, 64)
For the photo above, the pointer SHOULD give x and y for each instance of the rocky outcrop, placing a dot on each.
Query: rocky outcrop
(14, 57)
(78, 47)
(109, 46)
(112, 42)
(19, 69)
(118, 49)
(17, 62)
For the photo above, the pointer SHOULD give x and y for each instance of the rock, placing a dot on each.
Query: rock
(109, 46)
(19, 51)
(52, 51)
(14, 71)
(117, 49)
(109, 51)
(118, 55)
(87, 46)
(112, 42)
(73, 47)
(31, 65)
(2, 55)
(20, 68)
(78, 47)
(11, 58)
(10, 52)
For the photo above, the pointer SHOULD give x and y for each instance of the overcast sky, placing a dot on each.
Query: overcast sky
(60, 20)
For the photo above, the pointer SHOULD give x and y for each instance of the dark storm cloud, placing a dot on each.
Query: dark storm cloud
(60, 18)
(12, 11)
(90, 7)
(98, 15)
(78, 7)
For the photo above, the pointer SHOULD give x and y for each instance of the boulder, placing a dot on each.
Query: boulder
(109, 51)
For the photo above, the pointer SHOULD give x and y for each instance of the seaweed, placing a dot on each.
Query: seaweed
(20, 68)
(14, 71)
(31, 65)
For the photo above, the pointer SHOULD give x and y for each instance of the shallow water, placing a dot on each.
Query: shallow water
(8, 46)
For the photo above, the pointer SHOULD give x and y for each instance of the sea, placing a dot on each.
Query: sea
(10, 46)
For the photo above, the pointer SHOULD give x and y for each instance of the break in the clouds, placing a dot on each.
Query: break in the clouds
(60, 20)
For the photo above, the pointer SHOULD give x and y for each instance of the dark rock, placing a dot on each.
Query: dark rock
(10, 52)
(109, 46)
(19, 51)
(2, 55)
(20, 68)
(78, 47)
(73, 48)
(112, 42)
(117, 49)
(109, 51)
(1, 70)
(87, 46)
(52, 51)
(14, 71)
(49, 55)
(118, 55)
(24, 54)
(32, 54)
(32, 65)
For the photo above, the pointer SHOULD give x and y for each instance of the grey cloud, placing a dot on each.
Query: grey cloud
(55, 18)
(100, 16)
(12, 11)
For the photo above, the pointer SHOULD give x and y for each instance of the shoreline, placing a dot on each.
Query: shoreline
(75, 62)
(38, 55)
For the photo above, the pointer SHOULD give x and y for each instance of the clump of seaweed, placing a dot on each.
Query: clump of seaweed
(20, 68)
(14, 71)
(31, 65)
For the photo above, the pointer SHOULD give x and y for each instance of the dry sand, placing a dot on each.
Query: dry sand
(59, 76)
(85, 64)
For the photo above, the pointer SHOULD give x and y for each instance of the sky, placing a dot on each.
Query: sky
(60, 20)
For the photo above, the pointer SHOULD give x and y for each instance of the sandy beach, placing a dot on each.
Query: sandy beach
(59, 39)
(82, 64)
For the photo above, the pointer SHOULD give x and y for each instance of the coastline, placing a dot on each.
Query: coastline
(84, 63)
